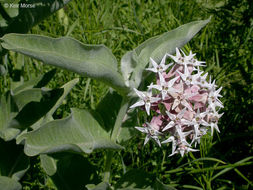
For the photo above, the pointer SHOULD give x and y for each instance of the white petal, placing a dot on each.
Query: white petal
(146, 139)
(162, 80)
(186, 104)
(171, 116)
(152, 69)
(163, 60)
(154, 99)
(172, 81)
(157, 141)
(139, 93)
(142, 129)
(181, 113)
(153, 63)
(158, 87)
(182, 75)
(175, 104)
(170, 139)
(181, 152)
(170, 125)
(147, 107)
(139, 103)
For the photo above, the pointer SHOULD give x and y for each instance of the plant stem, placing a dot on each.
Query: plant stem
(114, 135)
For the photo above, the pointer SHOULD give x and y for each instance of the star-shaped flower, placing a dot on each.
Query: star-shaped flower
(152, 133)
(165, 87)
(213, 98)
(174, 143)
(179, 59)
(214, 118)
(188, 78)
(146, 100)
(192, 61)
(183, 149)
(197, 121)
(159, 68)
(181, 97)
(175, 120)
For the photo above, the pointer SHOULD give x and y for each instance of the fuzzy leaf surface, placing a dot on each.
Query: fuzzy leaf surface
(79, 132)
(95, 61)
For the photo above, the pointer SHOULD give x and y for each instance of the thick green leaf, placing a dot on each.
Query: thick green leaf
(70, 171)
(67, 88)
(8, 110)
(133, 63)
(48, 164)
(7, 183)
(37, 82)
(22, 110)
(35, 110)
(25, 18)
(49, 115)
(79, 132)
(26, 96)
(13, 162)
(95, 61)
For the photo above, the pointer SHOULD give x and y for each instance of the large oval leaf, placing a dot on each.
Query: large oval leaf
(79, 132)
(7, 183)
(95, 61)
(156, 47)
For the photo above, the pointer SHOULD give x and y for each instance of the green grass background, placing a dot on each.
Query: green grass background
(226, 45)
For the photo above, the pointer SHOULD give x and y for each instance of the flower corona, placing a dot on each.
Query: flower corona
(183, 105)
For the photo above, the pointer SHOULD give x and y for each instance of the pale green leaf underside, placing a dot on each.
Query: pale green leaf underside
(79, 132)
(95, 61)
(7, 183)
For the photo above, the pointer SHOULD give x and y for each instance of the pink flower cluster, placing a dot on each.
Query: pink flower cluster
(183, 104)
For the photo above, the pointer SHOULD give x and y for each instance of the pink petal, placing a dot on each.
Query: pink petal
(156, 122)
(194, 89)
(167, 105)
(188, 115)
(198, 105)
(199, 98)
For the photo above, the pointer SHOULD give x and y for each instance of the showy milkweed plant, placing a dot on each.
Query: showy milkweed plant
(183, 103)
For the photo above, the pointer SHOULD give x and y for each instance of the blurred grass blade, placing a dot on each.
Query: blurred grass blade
(230, 168)
(182, 167)
(95, 61)
(192, 187)
(79, 132)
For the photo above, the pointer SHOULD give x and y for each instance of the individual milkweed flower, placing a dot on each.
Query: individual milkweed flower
(151, 131)
(159, 68)
(146, 100)
(185, 105)
(164, 87)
